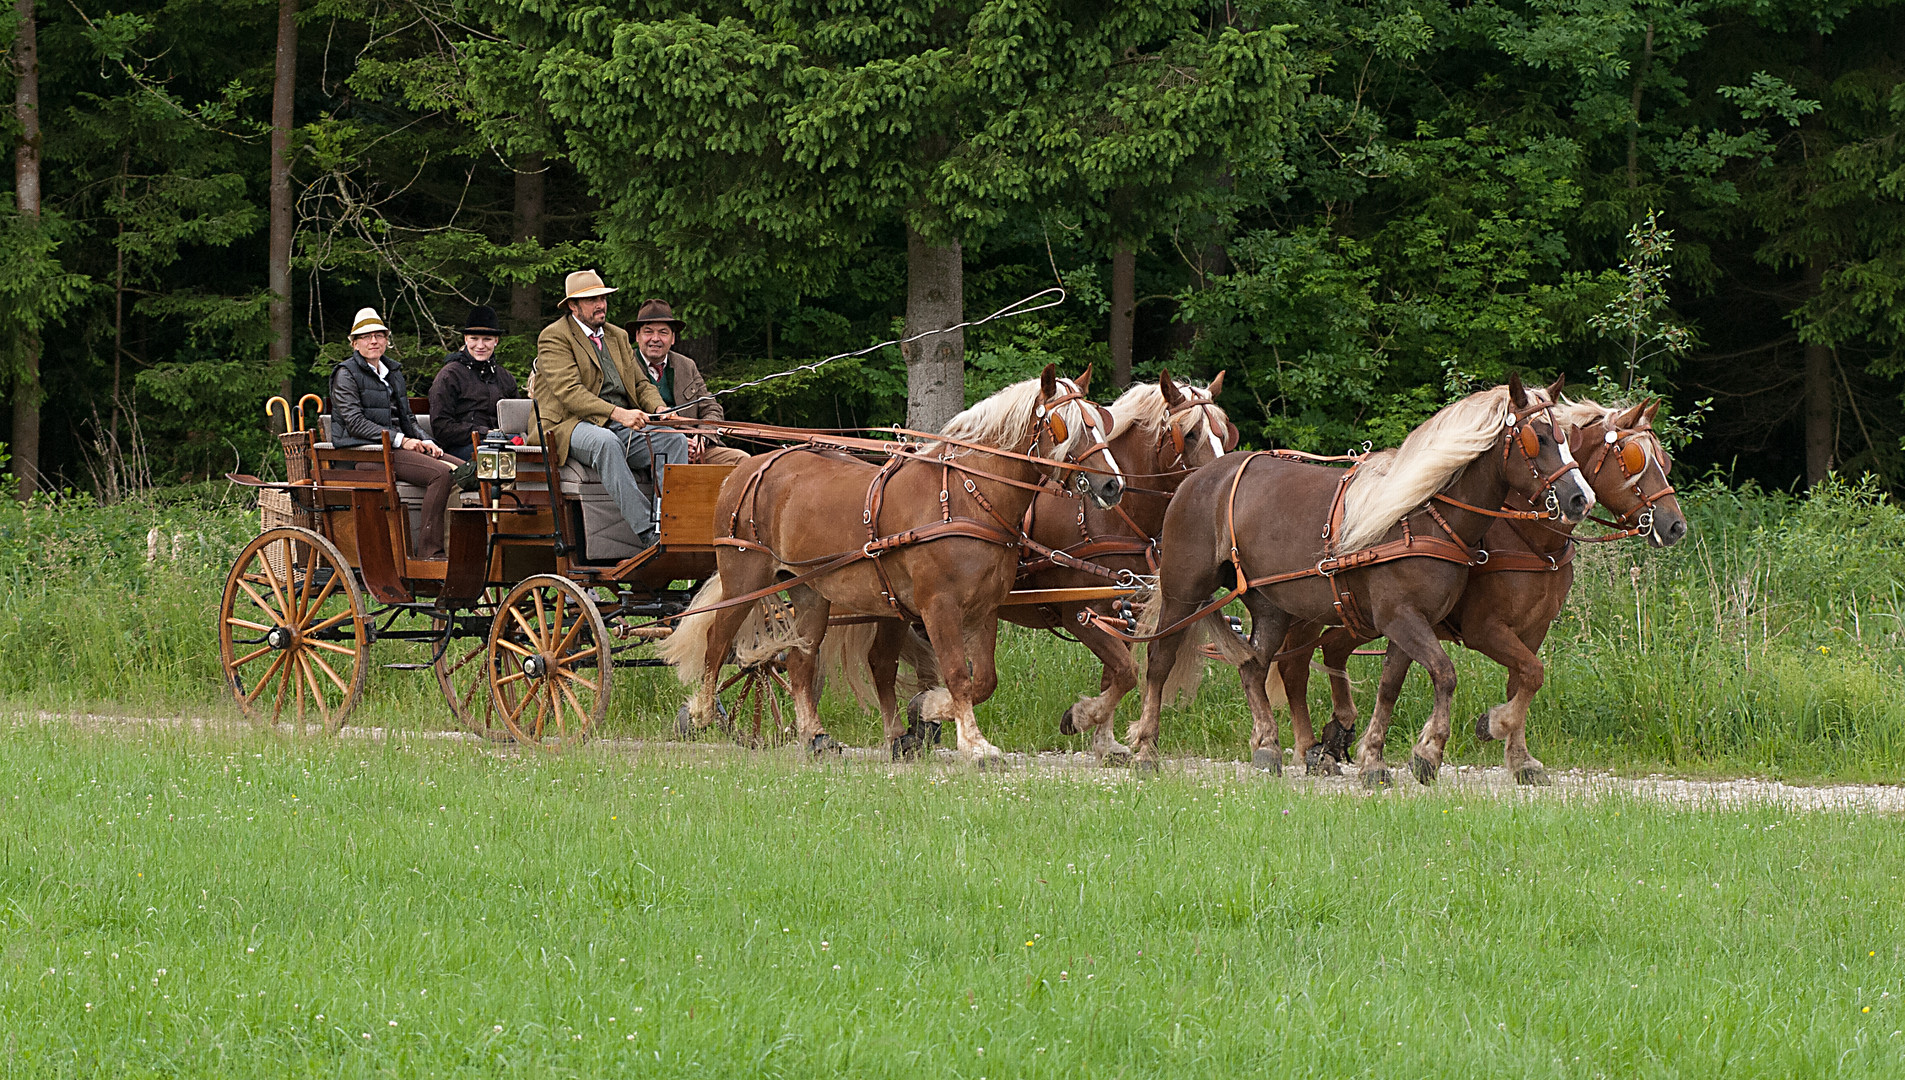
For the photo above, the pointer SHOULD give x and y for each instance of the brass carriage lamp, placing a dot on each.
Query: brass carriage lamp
(496, 459)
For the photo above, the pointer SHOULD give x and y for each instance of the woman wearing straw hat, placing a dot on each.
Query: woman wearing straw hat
(595, 401)
(368, 399)
(463, 398)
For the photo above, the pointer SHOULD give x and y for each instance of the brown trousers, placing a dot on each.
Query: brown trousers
(433, 476)
(722, 455)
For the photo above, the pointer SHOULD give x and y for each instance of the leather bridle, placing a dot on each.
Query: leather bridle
(1624, 451)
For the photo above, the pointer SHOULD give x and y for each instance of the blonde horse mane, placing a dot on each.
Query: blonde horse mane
(1005, 419)
(1392, 484)
(1142, 405)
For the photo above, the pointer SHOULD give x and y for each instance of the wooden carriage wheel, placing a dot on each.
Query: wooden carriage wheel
(759, 704)
(292, 632)
(548, 663)
(462, 672)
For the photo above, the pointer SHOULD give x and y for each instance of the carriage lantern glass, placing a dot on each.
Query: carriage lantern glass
(495, 459)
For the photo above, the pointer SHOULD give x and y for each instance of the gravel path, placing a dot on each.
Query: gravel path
(1493, 781)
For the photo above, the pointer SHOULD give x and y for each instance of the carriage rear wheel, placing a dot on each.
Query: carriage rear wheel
(291, 631)
(462, 670)
(548, 663)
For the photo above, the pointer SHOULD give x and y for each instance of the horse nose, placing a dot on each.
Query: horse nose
(1112, 491)
(1577, 506)
(1676, 529)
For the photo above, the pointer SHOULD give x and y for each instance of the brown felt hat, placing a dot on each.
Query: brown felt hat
(659, 311)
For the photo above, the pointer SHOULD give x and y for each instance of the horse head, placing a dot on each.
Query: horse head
(1196, 431)
(1072, 429)
(1631, 465)
(1550, 477)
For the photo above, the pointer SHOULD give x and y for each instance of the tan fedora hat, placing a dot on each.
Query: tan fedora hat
(583, 284)
(367, 322)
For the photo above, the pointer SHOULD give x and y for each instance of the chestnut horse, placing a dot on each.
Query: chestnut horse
(1511, 599)
(930, 536)
(1382, 546)
(1161, 433)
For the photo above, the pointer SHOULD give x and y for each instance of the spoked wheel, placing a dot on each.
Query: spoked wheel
(548, 663)
(291, 631)
(754, 698)
(462, 672)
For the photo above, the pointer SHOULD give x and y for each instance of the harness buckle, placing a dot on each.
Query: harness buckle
(1482, 560)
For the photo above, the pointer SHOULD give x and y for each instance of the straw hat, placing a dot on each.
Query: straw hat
(367, 322)
(583, 284)
(659, 311)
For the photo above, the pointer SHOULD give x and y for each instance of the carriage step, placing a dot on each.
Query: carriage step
(408, 667)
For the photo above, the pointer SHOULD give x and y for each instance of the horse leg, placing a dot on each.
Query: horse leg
(1412, 633)
(1340, 732)
(1268, 625)
(1293, 671)
(946, 630)
(803, 668)
(1509, 720)
(883, 660)
(1369, 762)
(1094, 714)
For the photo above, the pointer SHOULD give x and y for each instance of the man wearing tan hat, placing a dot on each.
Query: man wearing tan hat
(595, 401)
(679, 380)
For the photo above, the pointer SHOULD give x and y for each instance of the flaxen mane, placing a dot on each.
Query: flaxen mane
(1392, 484)
(1003, 420)
(1580, 413)
(1142, 405)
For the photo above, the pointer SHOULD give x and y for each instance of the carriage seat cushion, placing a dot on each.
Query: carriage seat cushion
(582, 482)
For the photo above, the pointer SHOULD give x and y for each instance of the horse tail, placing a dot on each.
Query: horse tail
(1187, 671)
(844, 652)
(1274, 689)
(687, 647)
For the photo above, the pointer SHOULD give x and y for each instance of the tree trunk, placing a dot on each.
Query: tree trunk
(1820, 437)
(278, 269)
(935, 366)
(1124, 311)
(525, 297)
(27, 392)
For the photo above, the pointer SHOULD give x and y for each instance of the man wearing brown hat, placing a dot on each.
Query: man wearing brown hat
(678, 378)
(595, 401)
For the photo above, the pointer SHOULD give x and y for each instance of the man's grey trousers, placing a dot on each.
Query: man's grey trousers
(617, 456)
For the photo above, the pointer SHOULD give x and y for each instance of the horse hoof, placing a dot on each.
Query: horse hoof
(906, 747)
(1533, 776)
(1423, 768)
(1065, 725)
(823, 744)
(1482, 733)
(1118, 757)
(1377, 777)
(1338, 740)
(1320, 762)
(684, 723)
(1266, 759)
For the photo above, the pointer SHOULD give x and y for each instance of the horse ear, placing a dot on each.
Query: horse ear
(1048, 381)
(1084, 381)
(1647, 413)
(1173, 397)
(1630, 419)
(1517, 395)
(1554, 388)
(1216, 386)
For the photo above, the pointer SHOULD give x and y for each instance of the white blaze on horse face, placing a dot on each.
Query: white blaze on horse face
(1580, 482)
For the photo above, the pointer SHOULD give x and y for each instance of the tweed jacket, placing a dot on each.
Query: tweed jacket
(568, 381)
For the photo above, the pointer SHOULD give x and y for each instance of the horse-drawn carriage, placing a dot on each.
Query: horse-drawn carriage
(544, 592)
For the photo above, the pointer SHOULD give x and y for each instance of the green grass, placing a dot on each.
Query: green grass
(1772, 641)
(180, 905)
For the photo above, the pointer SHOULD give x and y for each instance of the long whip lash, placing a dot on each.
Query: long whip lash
(1026, 306)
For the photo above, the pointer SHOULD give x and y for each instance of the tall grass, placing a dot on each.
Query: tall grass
(1768, 641)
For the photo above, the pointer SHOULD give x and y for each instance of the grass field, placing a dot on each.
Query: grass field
(182, 905)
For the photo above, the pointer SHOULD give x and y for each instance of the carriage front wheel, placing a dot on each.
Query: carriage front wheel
(548, 662)
(291, 631)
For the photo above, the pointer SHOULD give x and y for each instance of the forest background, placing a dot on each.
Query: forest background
(1355, 209)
